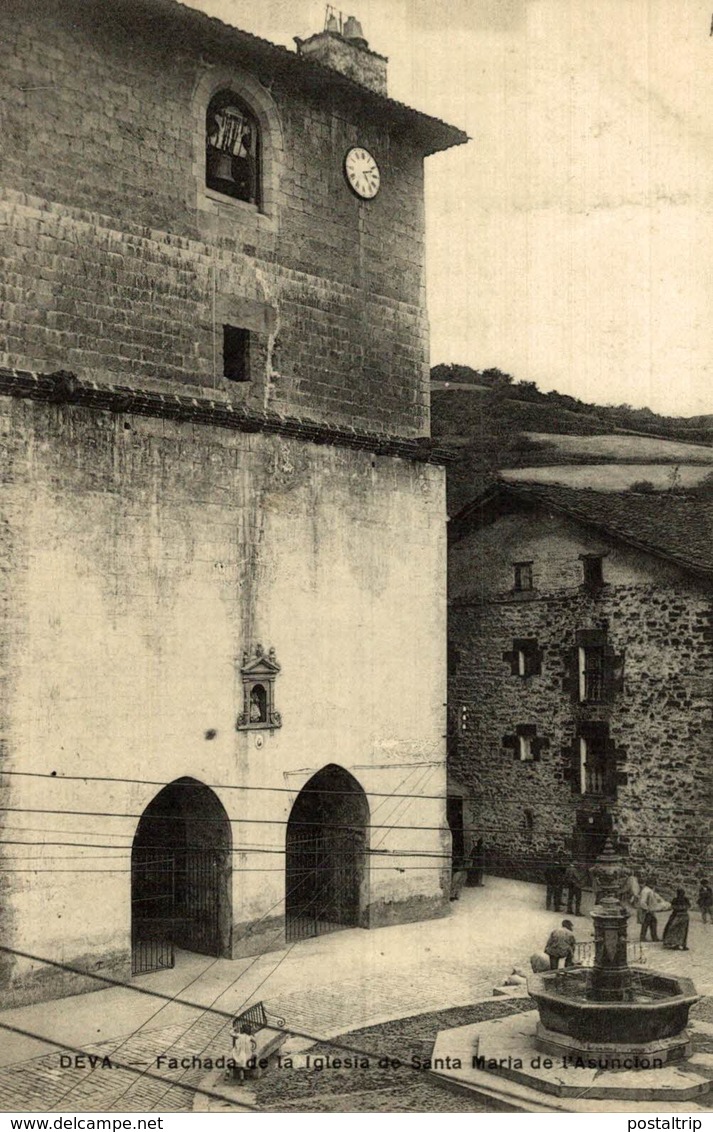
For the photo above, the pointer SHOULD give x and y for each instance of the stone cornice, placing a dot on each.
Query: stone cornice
(64, 387)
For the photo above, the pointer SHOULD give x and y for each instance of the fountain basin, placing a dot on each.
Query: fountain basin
(652, 1026)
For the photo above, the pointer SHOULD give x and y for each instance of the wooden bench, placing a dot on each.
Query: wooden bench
(267, 1032)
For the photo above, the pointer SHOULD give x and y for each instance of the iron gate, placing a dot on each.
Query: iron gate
(197, 925)
(323, 881)
(152, 910)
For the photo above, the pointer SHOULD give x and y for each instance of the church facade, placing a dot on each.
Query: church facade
(222, 532)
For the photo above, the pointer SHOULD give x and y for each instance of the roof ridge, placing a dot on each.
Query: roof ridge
(638, 520)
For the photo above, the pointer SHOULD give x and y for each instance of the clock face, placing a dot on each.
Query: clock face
(362, 172)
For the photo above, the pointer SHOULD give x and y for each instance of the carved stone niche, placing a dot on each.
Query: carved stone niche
(259, 673)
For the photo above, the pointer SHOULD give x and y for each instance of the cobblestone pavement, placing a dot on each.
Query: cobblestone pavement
(42, 1085)
(323, 987)
(371, 1085)
(351, 1087)
(405, 1089)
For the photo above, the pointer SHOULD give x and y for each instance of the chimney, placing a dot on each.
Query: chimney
(353, 33)
(342, 47)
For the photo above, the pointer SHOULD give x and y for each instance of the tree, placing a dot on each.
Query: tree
(495, 377)
(643, 487)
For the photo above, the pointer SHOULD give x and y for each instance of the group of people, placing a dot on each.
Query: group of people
(574, 877)
(647, 902)
(644, 900)
(560, 876)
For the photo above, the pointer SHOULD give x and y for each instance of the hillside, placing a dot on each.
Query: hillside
(531, 408)
(496, 423)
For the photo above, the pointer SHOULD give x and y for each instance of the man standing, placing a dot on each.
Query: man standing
(705, 901)
(648, 900)
(554, 879)
(576, 880)
(477, 863)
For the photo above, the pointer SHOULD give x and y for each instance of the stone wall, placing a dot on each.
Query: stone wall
(142, 547)
(123, 267)
(656, 622)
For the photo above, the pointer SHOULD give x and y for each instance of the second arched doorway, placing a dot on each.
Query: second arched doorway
(180, 876)
(326, 874)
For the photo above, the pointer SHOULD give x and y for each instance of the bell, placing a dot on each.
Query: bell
(220, 165)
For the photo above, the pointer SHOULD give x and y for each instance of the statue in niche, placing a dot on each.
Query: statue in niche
(259, 673)
(258, 704)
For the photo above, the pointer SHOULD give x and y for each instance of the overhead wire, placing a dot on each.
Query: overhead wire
(194, 1089)
(480, 828)
(215, 785)
(173, 1000)
(259, 955)
(334, 1042)
(303, 908)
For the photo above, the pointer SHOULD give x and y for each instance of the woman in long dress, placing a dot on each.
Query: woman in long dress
(675, 935)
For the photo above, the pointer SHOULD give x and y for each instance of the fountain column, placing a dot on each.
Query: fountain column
(611, 979)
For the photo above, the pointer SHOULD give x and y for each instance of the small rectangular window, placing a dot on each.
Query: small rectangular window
(236, 353)
(591, 674)
(523, 576)
(592, 765)
(525, 658)
(525, 744)
(592, 571)
(525, 748)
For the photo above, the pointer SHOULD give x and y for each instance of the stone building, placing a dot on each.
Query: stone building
(222, 540)
(581, 677)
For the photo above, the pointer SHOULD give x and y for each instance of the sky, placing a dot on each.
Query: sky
(569, 243)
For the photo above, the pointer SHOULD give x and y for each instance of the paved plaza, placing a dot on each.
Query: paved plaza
(322, 987)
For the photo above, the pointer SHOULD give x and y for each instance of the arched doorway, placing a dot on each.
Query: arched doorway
(326, 874)
(180, 877)
(591, 832)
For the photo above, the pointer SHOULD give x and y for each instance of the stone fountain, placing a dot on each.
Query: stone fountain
(606, 1033)
(613, 1013)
